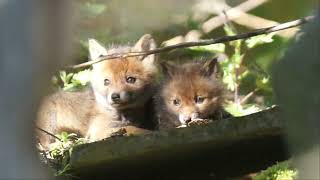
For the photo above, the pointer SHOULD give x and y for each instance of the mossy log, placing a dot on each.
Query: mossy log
(220, 149)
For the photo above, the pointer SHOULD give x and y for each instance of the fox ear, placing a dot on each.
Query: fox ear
(146, 43)
(96, 49)
(168, 69)
(210, 68)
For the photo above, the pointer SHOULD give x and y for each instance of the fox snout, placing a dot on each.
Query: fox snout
(187, 117)
(121, 97)
(115, 97)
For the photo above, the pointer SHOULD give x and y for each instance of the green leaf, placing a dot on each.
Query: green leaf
(63, 136)
(63, 75)
(82, 77)
(69, 77)
(229, 80)
(257, 40)
(237, 59)
(228, 30)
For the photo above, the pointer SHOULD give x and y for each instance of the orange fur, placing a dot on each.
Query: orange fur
(92, 113)
(184, 84)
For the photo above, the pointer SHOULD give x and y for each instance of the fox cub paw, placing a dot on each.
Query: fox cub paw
(196, 122)
(121, 132)
(129, 131)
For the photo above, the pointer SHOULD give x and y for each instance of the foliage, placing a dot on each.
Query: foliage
(280, 171)
(257, 40)
(60, 151)
(72, 81)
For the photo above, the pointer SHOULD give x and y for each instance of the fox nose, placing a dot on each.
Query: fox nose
(115, 97)
(187, 119)
(184, 119)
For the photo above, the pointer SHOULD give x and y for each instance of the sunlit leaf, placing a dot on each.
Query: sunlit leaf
(63, 75)
(69, 77)
(257, 40)
(82, 77)
(228, 30)
(228, 80)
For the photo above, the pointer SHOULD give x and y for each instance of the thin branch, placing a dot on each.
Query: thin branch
(233, 12)
(40, 129)
(256, 22)
(238, 15)
(222, 39)
(248, 96)
(205, 8)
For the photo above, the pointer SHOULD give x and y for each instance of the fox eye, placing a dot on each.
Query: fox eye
(176, 102)
(199, 99)
(106, 82)
(131, 80)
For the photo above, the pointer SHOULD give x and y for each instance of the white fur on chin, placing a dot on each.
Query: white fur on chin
(102, 100)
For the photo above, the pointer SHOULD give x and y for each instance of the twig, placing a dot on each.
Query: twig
(227, 22)
(238, 15)
(40, 129)
(233, 12)
(222, 39)
(205, 8)
(246, 98)
(256, 22)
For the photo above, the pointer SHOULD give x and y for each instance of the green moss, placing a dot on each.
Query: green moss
(280, 171)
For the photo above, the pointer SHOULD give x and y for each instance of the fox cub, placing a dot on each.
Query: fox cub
(120, 96)
(189, 92)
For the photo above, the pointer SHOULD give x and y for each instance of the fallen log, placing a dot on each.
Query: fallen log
(219, 150)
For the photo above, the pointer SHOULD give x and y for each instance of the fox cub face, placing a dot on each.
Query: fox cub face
(124, 82)
(191, 91)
